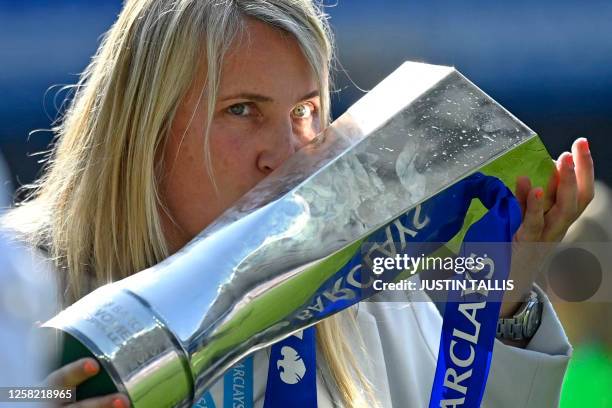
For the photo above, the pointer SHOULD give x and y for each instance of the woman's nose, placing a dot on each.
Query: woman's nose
(281, 142)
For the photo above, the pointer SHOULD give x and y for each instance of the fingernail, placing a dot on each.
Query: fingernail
(118, 403)
(585, 145)
(90, 368)
(569, 161)
(539, 194)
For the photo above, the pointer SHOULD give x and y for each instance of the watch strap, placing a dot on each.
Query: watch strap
(514, 328)
(510, 328)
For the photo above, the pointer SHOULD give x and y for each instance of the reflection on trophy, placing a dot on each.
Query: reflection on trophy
(164, 335)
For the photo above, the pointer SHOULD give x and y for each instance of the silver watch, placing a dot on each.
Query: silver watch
(524, 324)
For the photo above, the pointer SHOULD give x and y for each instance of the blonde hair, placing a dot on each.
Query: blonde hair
(96, 208)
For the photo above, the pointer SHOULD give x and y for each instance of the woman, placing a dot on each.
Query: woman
(185, 107)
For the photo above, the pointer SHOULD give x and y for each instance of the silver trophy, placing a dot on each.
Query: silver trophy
(249, 279)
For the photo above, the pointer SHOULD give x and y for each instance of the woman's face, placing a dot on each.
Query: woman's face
(267, 107)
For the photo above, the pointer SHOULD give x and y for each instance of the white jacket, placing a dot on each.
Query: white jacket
(401, 338)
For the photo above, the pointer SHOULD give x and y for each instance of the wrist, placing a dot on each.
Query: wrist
(509, 309)
(514, 300)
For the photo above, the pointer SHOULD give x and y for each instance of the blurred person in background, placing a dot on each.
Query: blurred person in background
(5, 186)
(589, 322)
(27, 297)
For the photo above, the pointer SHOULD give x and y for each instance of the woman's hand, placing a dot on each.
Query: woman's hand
(547, 215)
(75, 373)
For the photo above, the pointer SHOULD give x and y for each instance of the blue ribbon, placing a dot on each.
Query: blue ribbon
(448, 209)
(238, 385)
(292, 372)
(470, 317)
(205, 402)
(237, 388)
(292, 365)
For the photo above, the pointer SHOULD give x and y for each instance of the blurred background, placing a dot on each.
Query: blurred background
(548, 62)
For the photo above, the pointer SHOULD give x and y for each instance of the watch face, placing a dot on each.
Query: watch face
(533, 319)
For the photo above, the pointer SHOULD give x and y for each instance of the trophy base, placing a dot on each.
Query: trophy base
(137, 354)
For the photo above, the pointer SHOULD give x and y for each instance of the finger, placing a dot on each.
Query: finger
(523, 185)
(565, 210)
(551, 190)
(74, 373)
(533, 221)
(107, 401)
(585, 173)
(567, 199)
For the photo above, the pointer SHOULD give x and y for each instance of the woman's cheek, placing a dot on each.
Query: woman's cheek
(233, 153)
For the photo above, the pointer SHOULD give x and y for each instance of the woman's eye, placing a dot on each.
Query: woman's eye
(303, 111)
(239, 109)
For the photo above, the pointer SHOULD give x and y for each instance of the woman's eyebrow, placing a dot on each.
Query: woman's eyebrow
(311, 94)
(250, 96)
(263, 98)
